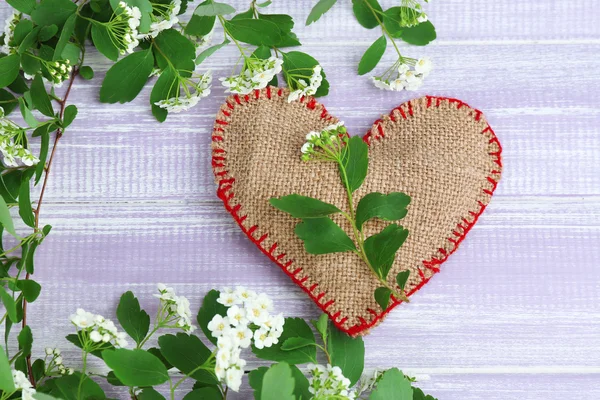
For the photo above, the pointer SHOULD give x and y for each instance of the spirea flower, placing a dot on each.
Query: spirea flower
(22, 383)
(189, 92)
(401, 77)
(326, 382)
(163, 17)
(248, 321)
(326, 145)
(55, 362)
(174, 311)
(256, 74)
(9, 31)
(123, 27)
(12, 142)
(307, 88)
(59, 71)
(94, 330)
(411, 14)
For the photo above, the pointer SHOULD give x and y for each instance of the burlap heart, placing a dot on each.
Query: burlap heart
(440, 151)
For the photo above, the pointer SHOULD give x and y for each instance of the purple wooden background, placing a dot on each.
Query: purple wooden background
(515, 312)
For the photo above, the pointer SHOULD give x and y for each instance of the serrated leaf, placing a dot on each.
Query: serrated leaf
(254, 31)
(293, 327)
(104, 43)
(390, 207)
(355, 162)
(126, 79)
(187, 353)
(419, 35)
(136, 367)
(134, 320)
(55, 12)
(301, 392)
(7, 384)
(40, 97)
(9, 69)
(213, 9)
(419, 395)
(294, 343)
(319, 9)
(381, 248)
(210, 308)
(323, 236)
(30, 288)
(210, 51)
(402, 278)
(347, 353)
(382, 297)
(372, 56)
(393, 385)
(303, 207)
(278, 383)
(363, 13)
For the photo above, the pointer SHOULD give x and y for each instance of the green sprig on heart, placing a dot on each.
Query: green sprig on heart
(322, 235)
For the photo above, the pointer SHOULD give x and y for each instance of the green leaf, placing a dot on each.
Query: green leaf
(26, 112)
(283, 21)
(205, 393)
(44, 145)
(25, 210)
(104, 43)
(210, 308)
(402, 278)
(389, 207)
(134, 320)
(29, 40)
(187, 353)
(136, 367)
(254, 31)
(347, 353)
(419, 35)
(86, 72)
(382, 297)
(356, 162)
(319, 9)
(24, 6)
(22, 29)
(43, 396)
(393, 385)
(126, 79)
(25, 340)
(323, 236)
(155, 351)
(321, 325)
(30, 64)
(30, 288)
(9, 304)
(200, 25)
(149, 393)
(67, 387)
(381, 248)
(48, 32)
(265, 4)
(69, 115)
(372, 56)
(210, 51)
(55, 12)
(293, 327)
(178, 49)
(65, 36)
(8, 102)
(294, 343)
(298, 63)
(255, 379)
(363, 13)
(71, 53)
(278, 383)
(113, 380)
(29, 264)
(5, 218)
(303, 207)
(165, 86)
(40, 98)
(9, 69)
(213, 9)
(419, 395)
(392, 21)
(6, 379)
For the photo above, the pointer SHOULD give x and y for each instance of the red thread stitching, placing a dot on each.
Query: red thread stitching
(430, 265)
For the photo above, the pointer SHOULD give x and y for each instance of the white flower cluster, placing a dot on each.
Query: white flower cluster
(175, 310)
(11, 148)
(164, 16)
(124, 27)
(56, 361)
(194, 92)
(310, 88)
(256, 74)
(411, 13)
(9, 31)
(329, 382)
(97, 329)
(59, 71)
(248, 321)
(22, 383)
(330, 140)
(405, 77)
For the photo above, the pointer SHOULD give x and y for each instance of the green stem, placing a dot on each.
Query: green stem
(83, 375)
(227, 33)
(384, 29)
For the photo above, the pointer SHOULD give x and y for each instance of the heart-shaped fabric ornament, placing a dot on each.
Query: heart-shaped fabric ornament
(439, 151)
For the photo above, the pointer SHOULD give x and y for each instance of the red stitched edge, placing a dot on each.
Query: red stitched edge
(225, 193)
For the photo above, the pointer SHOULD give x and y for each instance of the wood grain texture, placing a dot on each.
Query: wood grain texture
(133, 203)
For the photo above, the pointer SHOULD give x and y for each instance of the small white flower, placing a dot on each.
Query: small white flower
(263, 338)
(237, 316)
(245, 295)
(380, 83)
(422, 18)
(82, 319)
(256, 314)
(244, 335)
(228, 299)
(219, 325)
(233, 378)
(58, 360)
(307, 148)
(423, 66)
(49, 351)
(295, 95)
